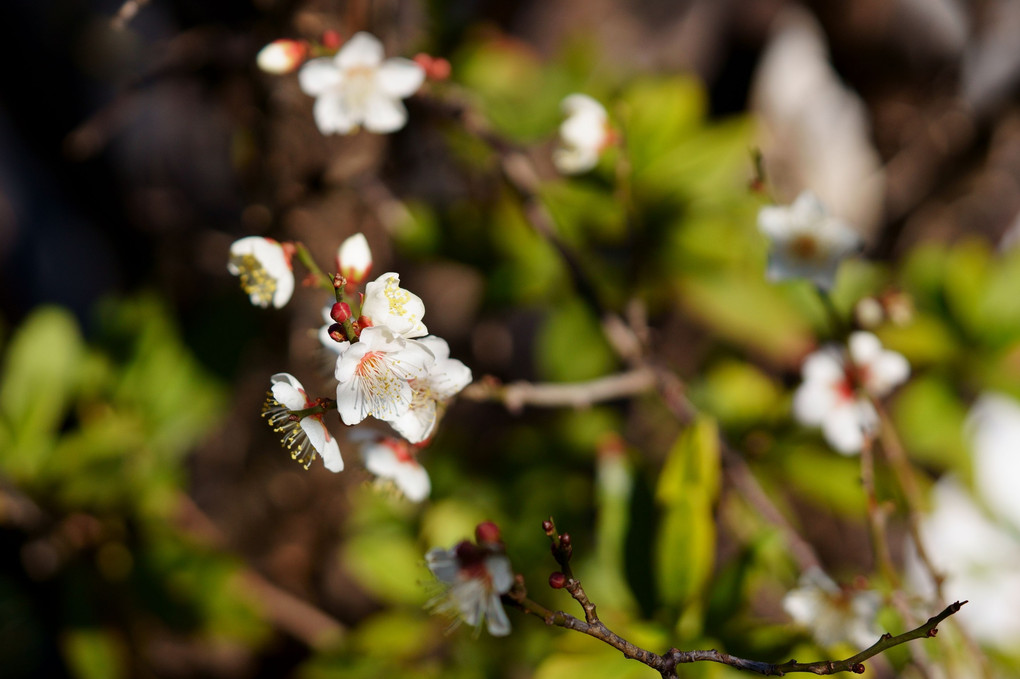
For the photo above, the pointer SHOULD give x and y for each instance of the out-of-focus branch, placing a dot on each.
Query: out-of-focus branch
(516, 395)
(126, 13)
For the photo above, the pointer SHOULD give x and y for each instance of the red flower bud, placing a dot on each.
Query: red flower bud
(487, 531)
(340, 312)
(547, 526)
(331, 40)
(336, 333)
(557, 580)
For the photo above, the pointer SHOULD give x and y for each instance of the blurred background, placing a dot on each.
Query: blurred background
(150, 524)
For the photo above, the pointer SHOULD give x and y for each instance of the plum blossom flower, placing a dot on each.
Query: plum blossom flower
(282, 56)
(387, 304)
(583, 135)
(393, 460)
(373, 375)
(306, 436)
(357, 88)
(265, 270)
(978, 559)
(993, 427)
(444, 380)
(837, 386)
(354, 259)
(833, 614)
(806, 241)
(476, 575)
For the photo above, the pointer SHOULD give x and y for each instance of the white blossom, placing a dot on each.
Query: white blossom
(264, 268)
(304, 437)
(281, 56)
(445, 378)
(387, 304)
(583, 135)
(831, 613)
(994, 431)
(475, 576)
(354, 259)
(373, 375)
(837, 385)
(805, 241)
(393, 460)
(357, 88)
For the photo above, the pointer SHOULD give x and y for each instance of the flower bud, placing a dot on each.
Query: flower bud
(354, 259)
(336, 333)
(331, 40)
(487, 531)
(547, 526)
(282, 56)
(340, 312)
(436, 68)
(557, 580)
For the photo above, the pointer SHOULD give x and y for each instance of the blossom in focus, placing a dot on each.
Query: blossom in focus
(806, 242)
(354, 259)
(282, 56)
(393, 460)
(978, 560)
(357, 88)
(476, 575)
(264, 268)
(445, 378)
(837, 386)
(831, 613)
(583, 135)
(373, 375)
(306, 436)
(993, 427)
(387, 304)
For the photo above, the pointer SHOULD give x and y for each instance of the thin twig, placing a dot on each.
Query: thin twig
(516, 395)
(877, 514)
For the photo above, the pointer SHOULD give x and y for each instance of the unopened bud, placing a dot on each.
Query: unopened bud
(336, 333)
(354, 259)
(340, 312)
(565, 539)
(331, 40)
(282, 56)
(557, 580)
(339, 281)
(487, 531)
(436, 68)
(547, 526)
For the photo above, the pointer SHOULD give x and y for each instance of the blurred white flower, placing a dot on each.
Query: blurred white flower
(994, 430)
(476, 576)
(304, 437)
(354, 259)
(445, 378)
(356, 87)
(980, 561)
(387, 304)
(265, 270)
(583, 135)
(373, 375)
(835, 391)
(282, 56)
(805, 241)
(833, 614)
(393, 460)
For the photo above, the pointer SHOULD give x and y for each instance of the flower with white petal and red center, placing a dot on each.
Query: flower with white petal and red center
(833, 614)
(806, 241)
(394, 461)
(354, 259)
(282, 56)
(583, 135)
(373, 375)
(265, 269)
(303, 436)
(476, 575)
(357, 88)
(837, 386)
(387, 304)
(445, 378)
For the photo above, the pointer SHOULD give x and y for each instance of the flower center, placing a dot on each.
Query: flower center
(359, 86)
(370, 366)
(396, 297)
(255, 280)
(805, 246)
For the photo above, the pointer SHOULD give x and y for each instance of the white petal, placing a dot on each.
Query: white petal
(582, 104)
(824, 366)
(380, 460)
(584, 131)
(443, 564)
(417, 424)
(400, 78)
(844, 427)
(807, 209)
(332, 114)
(449, 377)
(363, 49)
(288, 391)
(354, 260)
(323, 443)
(319, 76)
(500, 572)
(383, 114)
(574, 160)
(774, 221)
(864, 348)
(887, 372)
(812, 403)
(495, 617)
(389, 305)
(413, 481)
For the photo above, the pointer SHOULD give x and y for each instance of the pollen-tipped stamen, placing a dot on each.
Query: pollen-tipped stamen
(255, 280)
(294, 438)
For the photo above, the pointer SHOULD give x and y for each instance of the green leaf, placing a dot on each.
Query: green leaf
(930, 418)
(572, 346)
(40, 372)
(94, 654)
(737, 393)
(687, 490)
(389, 565)
(659, 114)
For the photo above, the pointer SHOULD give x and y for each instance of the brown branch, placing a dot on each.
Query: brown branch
(516, 395)
(126, 13)
(877, 513)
